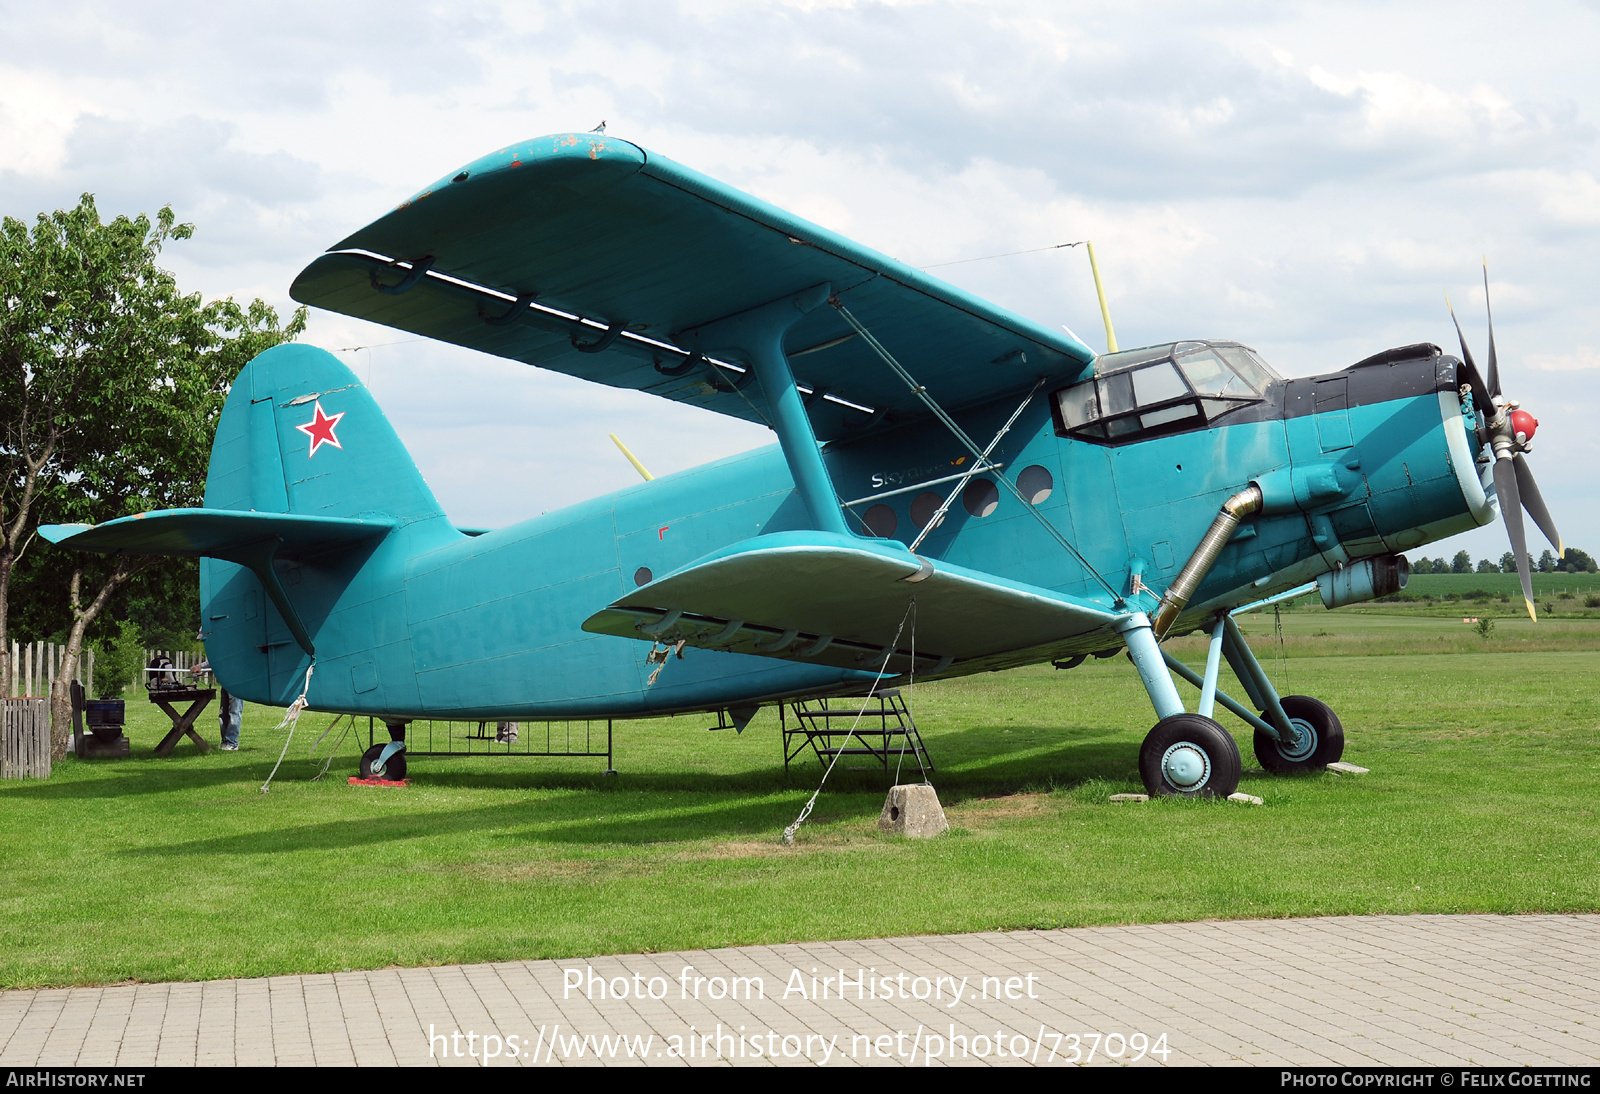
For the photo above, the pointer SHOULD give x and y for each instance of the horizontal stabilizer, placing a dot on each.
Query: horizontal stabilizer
(834, 600)
(216, 533)
(250, 539)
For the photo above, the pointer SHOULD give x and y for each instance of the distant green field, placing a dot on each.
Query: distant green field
(1484, 750)
(1509, 584)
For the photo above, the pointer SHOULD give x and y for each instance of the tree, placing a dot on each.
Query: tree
(111, 381)
(1487, 567)
(1547, 562)
(1574, 561)
(1423, 565)
(1508, 563)
(1461, 564)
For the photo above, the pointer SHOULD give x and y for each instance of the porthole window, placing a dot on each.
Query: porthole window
(1035, 483)
(980, 497)
(924, 507)
(881, 521)
(643, 576)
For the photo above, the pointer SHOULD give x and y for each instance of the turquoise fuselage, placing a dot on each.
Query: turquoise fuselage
(431, 622)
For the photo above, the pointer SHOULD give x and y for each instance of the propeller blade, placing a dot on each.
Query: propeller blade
(1494, 369)
(1534, 504)
(1474, 379)
(1505, 485)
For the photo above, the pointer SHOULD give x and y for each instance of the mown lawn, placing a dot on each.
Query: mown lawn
(1481, 799)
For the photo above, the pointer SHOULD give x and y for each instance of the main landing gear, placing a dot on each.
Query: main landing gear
(1191, 754)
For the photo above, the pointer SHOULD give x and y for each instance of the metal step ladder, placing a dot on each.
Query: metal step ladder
(883, 730)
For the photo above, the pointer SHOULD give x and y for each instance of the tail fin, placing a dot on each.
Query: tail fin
(300, 434)
(308, 481)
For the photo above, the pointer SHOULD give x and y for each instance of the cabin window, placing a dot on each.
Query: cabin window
(923, 508)
(980, 497)
(881, 521)
(1035, 483)
(1161, 389)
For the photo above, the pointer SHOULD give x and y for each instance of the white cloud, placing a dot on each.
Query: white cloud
(37, 113)
(1307, 179)
(1586, 359)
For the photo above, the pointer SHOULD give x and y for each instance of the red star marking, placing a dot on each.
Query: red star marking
(320, 429)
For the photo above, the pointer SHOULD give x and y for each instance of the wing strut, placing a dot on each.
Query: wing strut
(961, 435)
(982, 464)
(757, 337)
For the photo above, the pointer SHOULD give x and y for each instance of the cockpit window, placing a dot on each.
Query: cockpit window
(1162, 389)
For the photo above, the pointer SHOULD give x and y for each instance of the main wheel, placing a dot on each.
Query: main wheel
(393, 769)
(1190, 755)
(1321, 738)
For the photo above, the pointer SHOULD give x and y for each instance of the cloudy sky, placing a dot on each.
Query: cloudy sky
(1308, 178)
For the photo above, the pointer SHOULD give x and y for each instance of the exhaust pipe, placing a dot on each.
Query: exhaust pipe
(1235, 509)
(1365, 580)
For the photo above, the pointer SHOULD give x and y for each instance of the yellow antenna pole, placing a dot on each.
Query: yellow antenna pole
(637, 466)
(1105, 312)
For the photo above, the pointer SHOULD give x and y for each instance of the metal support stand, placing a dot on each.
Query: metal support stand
(828, 726)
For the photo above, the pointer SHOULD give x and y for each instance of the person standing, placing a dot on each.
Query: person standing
(230, 715)
(230, 712)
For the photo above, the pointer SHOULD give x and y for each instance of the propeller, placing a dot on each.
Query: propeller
(1508, 429)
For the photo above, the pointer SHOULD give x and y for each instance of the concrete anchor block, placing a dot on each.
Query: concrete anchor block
(1245, 799)
(1130, 797)
(913, 811)
(1342, 768)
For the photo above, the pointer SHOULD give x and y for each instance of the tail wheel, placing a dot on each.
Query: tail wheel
(393, 769)
(1189, 755)
(1321, 739)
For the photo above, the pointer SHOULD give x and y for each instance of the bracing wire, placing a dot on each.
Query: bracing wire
(961, 435)
(911, 696)
(291, 719)
(1008, 254)
(883, 670)
(982, 464)
(334, 750)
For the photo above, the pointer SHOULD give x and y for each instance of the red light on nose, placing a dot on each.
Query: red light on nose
(1523, 424)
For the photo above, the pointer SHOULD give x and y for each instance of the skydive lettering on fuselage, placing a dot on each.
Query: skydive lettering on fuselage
(913, 475)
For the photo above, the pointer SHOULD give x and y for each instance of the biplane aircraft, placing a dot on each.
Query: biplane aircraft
(955, 488)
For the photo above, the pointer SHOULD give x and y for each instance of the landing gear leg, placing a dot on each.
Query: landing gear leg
(1185, 754)
(1293, 733)
(387, 761)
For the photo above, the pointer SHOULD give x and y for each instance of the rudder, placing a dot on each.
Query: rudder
(300, 433)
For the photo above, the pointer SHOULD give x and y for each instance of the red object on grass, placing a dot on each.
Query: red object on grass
(358, 781)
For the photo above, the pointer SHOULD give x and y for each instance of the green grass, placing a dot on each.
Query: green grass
(1481, 799)
(1440, 585)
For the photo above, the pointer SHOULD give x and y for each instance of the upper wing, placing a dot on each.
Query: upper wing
(602, 236)
(846, 602)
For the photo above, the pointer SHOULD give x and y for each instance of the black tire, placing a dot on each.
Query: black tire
(393, 771)
(1191, 756)
(1325, 746)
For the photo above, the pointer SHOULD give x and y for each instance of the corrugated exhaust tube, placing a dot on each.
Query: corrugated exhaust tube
(1235, 509)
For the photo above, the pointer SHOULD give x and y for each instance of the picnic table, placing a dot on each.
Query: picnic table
(166, 692)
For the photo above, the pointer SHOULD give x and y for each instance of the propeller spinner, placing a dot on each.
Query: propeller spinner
(1509, 429)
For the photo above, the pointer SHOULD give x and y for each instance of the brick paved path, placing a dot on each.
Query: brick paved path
(1341, 991)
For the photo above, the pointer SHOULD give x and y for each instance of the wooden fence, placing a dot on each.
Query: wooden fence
(25, 738)
(34, 664)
